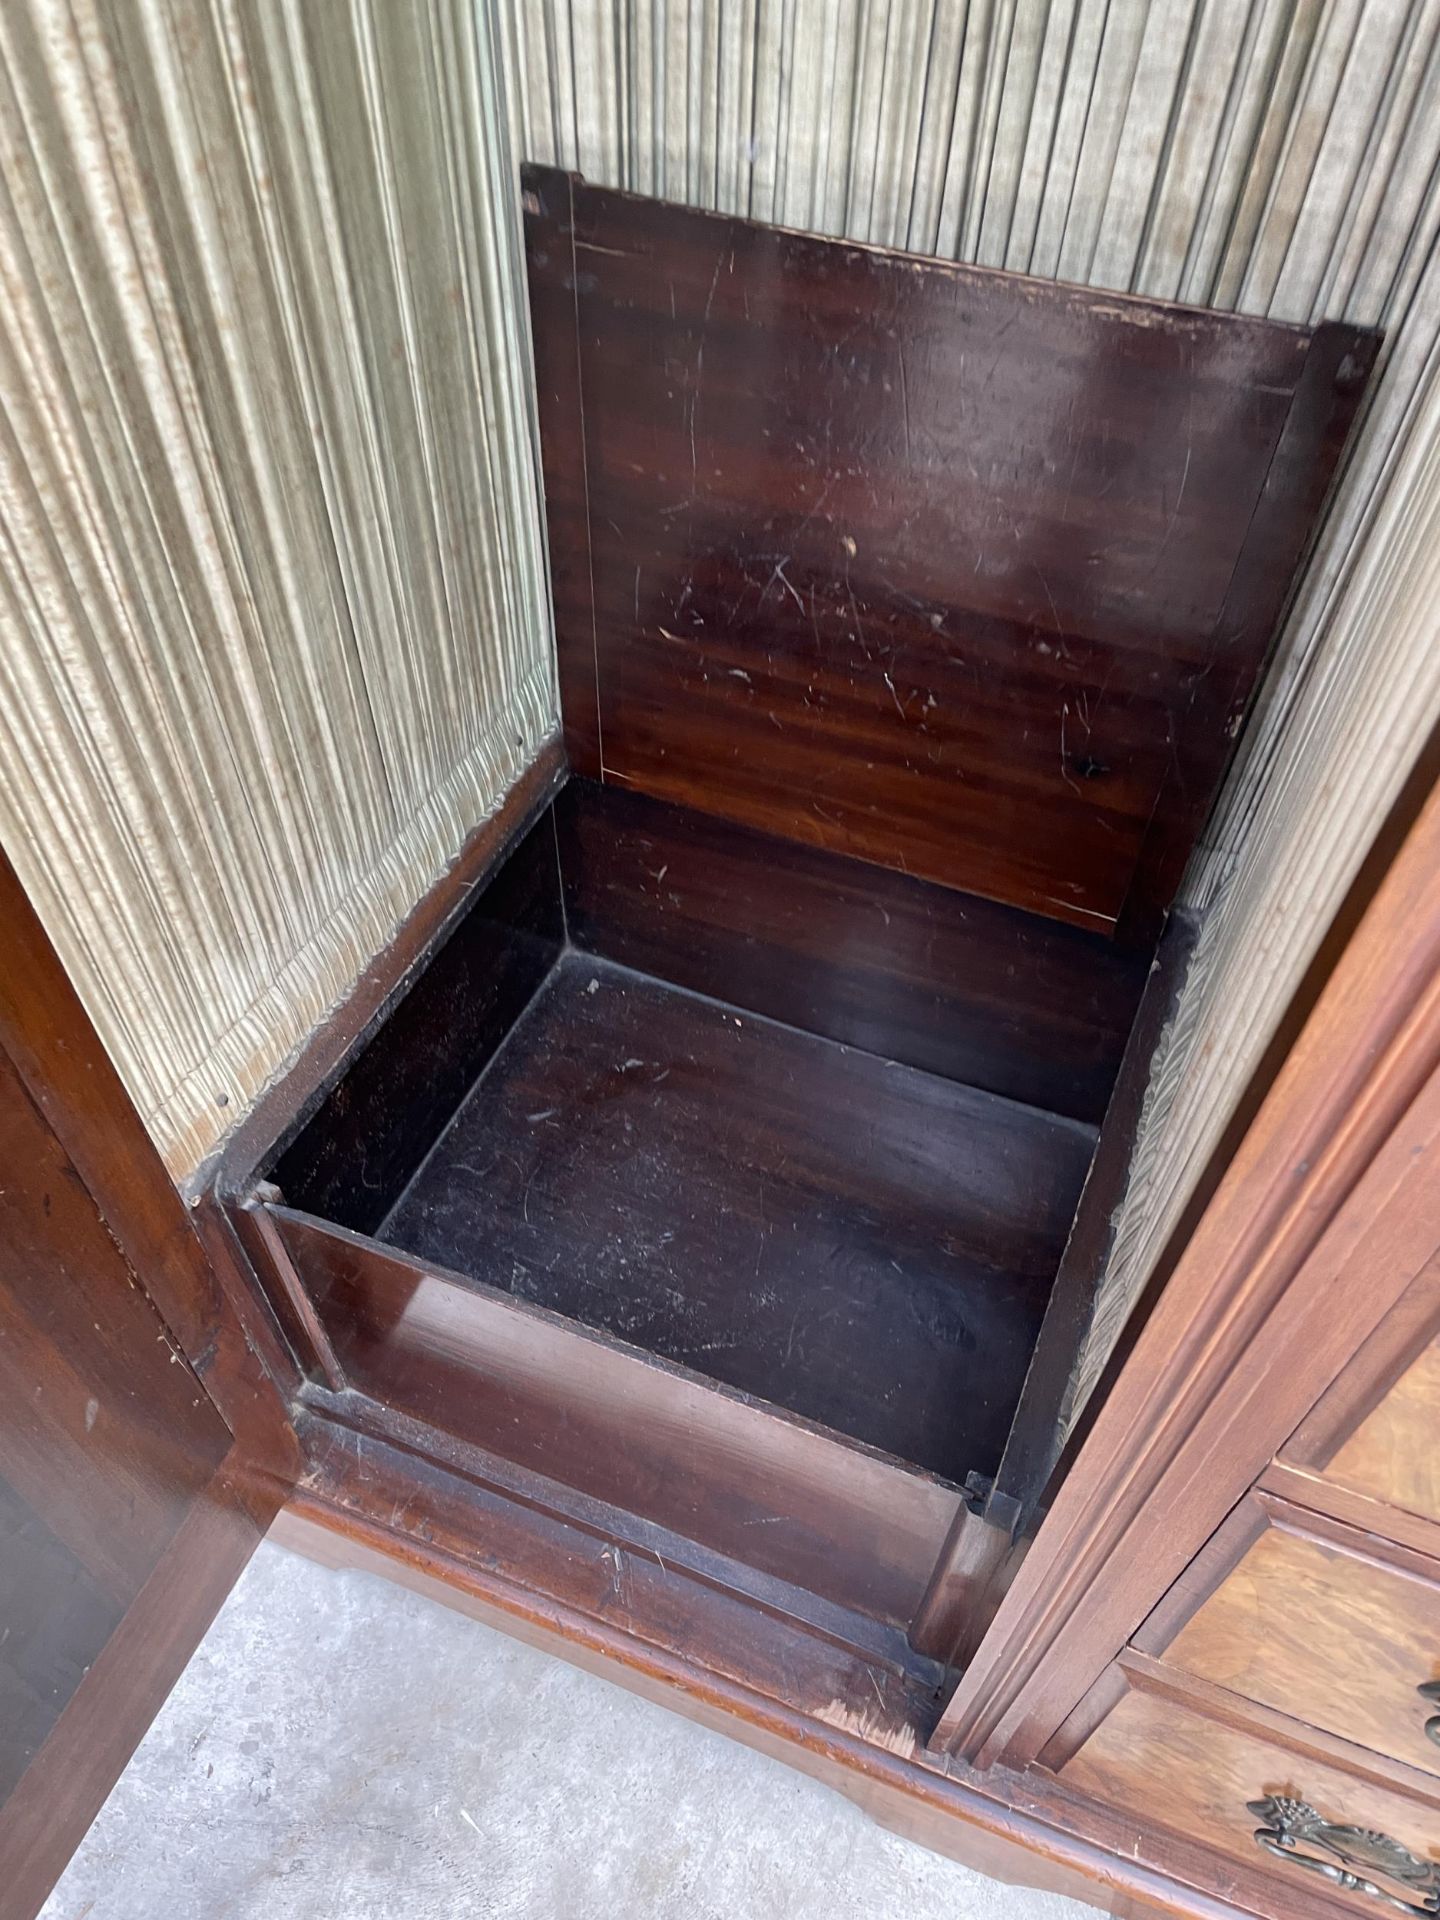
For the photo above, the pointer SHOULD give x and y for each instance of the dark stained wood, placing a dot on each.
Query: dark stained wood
(354, 1158)
(620, 1427)
(878, 1640)
(866, 1245)
(1035, 1441)
(1327, 1213)
(203, 1293)
(1298, 482)
(280, 1112)
(550, 264)
(107, 1436)
(943, 568)
(1003, 1000)
(633, 1589)
(133, 1484)
(257, 1233)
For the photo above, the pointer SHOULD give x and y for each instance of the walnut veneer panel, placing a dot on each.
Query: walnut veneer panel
(1193, 1776)
(1392, 1455)
(106, 1442)
(1325, 1636)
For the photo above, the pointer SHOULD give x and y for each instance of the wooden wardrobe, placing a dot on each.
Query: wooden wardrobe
(677, 1247)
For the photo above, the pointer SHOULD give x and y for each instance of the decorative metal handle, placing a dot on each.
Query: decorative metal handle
(1431, 1692)
(1345, 1856)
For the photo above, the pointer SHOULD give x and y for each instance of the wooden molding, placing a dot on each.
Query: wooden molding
(1303, 1487)
(1399, 1341)
(1296, 1736)
(1338, 1174)
(760, 1676)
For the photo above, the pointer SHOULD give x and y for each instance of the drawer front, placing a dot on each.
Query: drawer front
(1173, 1767)
(1329, 1637)
(1392, 1455)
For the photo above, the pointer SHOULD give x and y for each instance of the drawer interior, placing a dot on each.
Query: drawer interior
(859, 1240)
(906, 616)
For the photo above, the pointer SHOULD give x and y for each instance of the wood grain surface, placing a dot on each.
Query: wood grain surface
(354, 1156)
(1312, 1624)
(609, 1421)
(106, 1437)
(868, 1246)
(964, 573)
(1171, 1767)
(1392, 1455)
(1006, 1001)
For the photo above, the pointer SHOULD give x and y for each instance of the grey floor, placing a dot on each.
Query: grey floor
(340, 1746)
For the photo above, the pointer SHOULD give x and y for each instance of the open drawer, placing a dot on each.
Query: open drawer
(758, 1283)
(720, 1160)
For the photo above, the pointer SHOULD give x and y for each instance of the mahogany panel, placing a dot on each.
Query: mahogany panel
(354, 1157)
(106, 1438)
(866, 1245)
(1327, 1626)
(549, 256)
(926, 564)
(1003, 1000)
(624, 1428)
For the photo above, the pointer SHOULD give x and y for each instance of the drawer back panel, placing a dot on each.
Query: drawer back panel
(962, 573)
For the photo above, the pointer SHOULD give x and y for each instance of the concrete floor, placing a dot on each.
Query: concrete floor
(341, 1747)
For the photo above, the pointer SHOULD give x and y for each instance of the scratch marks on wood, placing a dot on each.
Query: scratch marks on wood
(874, 1728)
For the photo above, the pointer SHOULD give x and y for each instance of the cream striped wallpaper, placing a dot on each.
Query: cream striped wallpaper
(275, 618)
(275, 622)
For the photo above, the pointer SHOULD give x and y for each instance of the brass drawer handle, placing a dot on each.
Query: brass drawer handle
(1430, 1692)
(1354, 1853)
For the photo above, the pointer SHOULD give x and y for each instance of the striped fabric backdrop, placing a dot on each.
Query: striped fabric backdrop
(275, 621)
